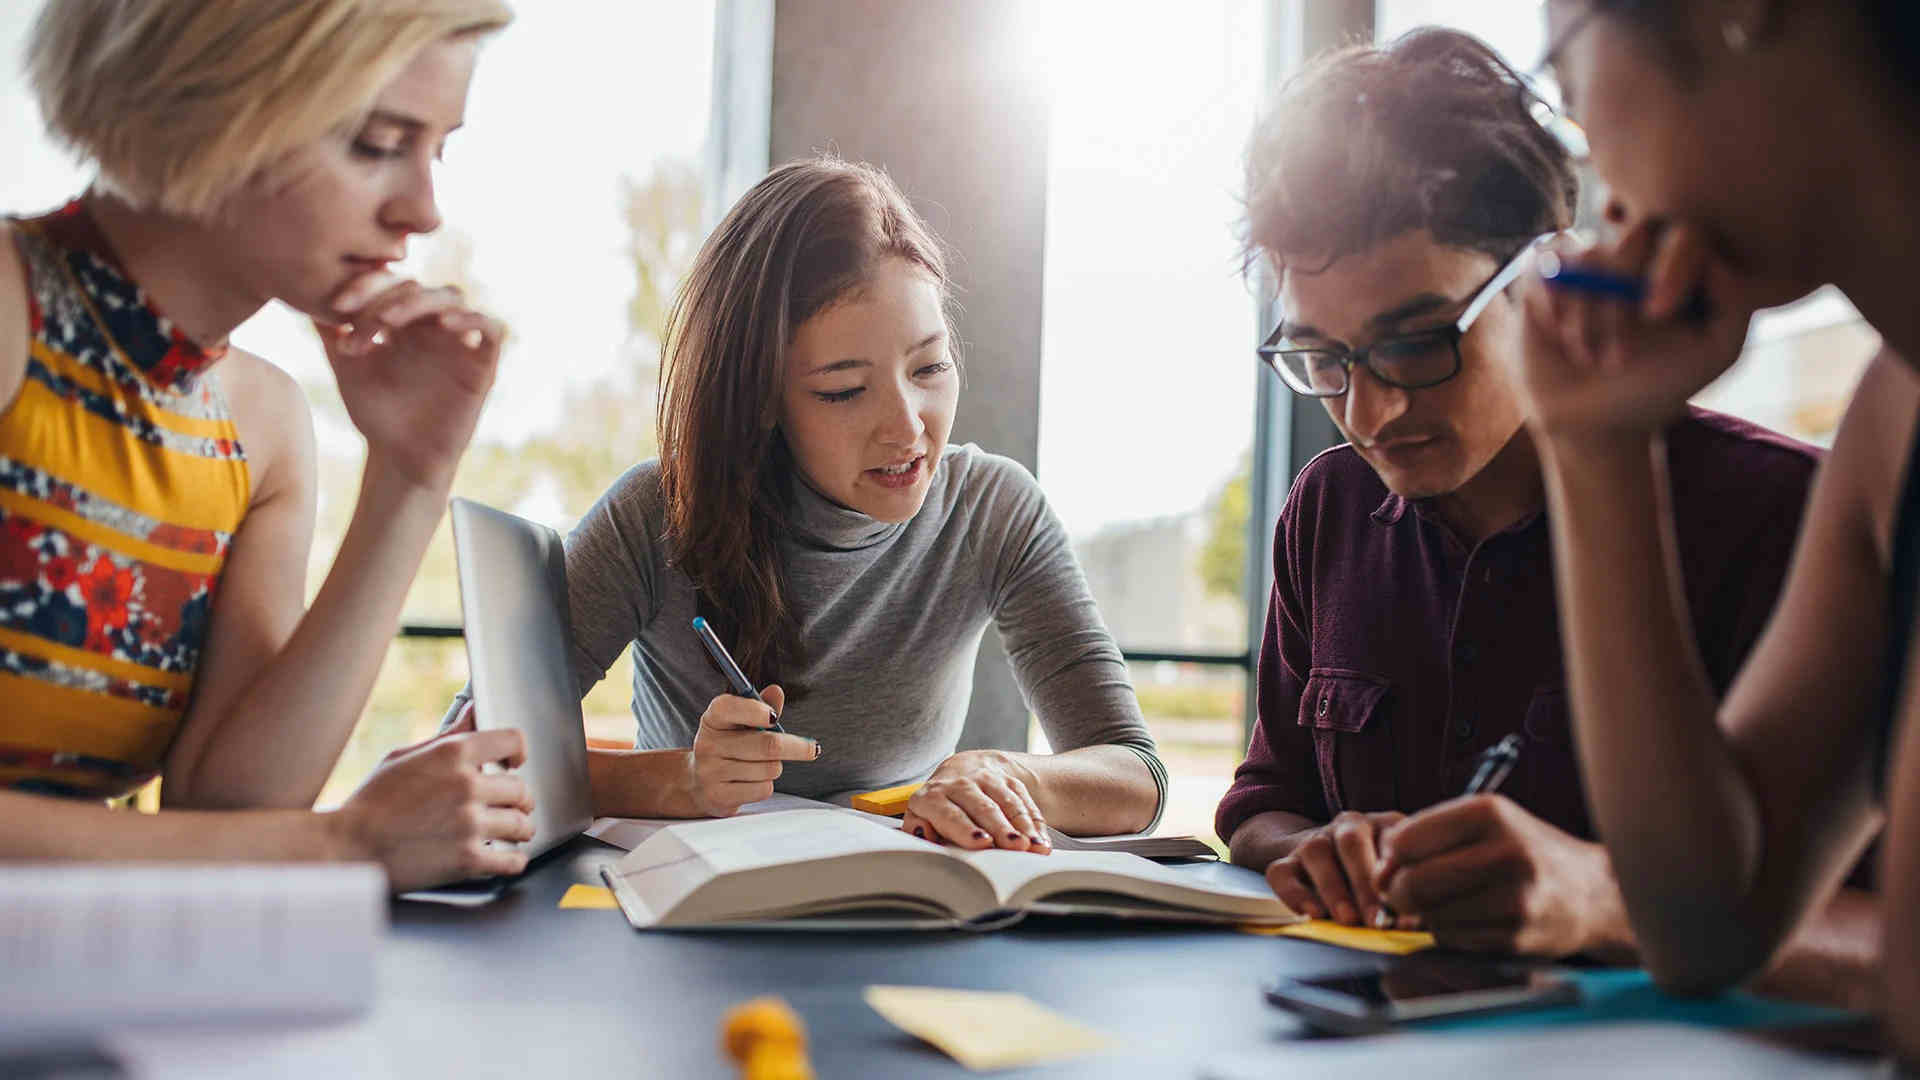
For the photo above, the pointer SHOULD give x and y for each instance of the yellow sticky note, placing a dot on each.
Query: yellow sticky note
(984, 1029)
(588, 896)
(888, 801)
(1391, 942)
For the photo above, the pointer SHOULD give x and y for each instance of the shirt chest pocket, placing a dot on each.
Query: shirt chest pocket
(1352, 739)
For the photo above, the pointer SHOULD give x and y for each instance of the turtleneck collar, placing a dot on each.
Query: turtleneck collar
(822, 523)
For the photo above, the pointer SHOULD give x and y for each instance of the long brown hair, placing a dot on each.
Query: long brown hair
(806, 236)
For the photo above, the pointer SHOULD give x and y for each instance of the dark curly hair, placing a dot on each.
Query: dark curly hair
(1433, 131)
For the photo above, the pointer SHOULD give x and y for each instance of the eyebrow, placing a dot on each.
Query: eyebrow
(851, 362)
(1424, 304)
(402, 120)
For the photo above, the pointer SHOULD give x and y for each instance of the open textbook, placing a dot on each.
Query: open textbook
(831, 869)
(628, 833)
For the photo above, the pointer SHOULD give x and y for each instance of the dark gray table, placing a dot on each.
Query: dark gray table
(522, 987)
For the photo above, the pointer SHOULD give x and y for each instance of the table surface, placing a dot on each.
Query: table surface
(523, 987)
(522, 984)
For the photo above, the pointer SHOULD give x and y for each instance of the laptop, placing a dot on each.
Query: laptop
(513, 599)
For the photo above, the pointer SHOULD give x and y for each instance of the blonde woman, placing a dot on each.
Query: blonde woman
(157, 486)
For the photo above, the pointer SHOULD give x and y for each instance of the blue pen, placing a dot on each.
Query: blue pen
(737, 678)
(1561, 274)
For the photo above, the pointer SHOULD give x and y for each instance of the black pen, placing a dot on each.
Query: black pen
(1495, 765)
(741, 684)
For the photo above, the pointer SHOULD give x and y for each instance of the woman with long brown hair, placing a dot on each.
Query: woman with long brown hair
(807, 503)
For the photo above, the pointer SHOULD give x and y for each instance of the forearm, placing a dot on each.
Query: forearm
(1679, 820)
(1092, 791)
(38, 827)
(1270, 835)
(1834, 957)
(642, 783)
(281, 733)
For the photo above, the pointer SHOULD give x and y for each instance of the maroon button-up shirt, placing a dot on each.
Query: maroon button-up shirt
(1395, 653)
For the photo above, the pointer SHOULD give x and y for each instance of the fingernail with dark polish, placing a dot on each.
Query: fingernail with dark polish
(816, 748)
(980, 834)
(1013, 836)
(1035, 840)
(919, 832)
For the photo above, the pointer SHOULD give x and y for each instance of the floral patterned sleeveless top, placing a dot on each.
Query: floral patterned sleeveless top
(121, 485)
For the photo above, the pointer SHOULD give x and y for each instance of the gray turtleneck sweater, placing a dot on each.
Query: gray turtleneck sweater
(890, 621)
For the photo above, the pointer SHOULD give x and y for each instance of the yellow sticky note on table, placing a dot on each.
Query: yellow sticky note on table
(1391, 942)
(588, 896)
(984, 1029)
(887, 801)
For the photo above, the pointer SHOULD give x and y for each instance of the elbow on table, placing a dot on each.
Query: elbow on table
(1700, 964)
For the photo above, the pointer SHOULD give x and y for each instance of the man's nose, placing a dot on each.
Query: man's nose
(1370, 405)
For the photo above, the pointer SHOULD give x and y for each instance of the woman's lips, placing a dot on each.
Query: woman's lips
(904, 478)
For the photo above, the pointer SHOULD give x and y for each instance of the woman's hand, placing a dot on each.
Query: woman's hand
(1605, 368)
(414, 366)
(976, 799)
(735, 759)
(431, 814)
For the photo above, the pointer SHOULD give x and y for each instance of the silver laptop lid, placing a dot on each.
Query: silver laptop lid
(513, 597)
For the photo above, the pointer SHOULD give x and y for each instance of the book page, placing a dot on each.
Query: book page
(141, 942)
(629, 833)
(1020, 878)
(765, 865)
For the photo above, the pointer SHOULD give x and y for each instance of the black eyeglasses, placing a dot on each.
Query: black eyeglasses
(1407, 361)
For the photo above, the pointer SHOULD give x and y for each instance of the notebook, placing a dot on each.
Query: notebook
(829, 869)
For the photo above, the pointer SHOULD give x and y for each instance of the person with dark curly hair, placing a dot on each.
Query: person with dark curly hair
(1412, 621)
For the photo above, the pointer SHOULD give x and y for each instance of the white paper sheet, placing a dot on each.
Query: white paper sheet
(629, 833)
(90, 946)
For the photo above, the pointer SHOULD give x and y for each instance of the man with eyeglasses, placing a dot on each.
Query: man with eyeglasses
(1412, 625)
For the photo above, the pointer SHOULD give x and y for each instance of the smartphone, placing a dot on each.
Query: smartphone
(1418, 988)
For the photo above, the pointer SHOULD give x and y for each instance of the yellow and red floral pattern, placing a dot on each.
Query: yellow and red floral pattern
(121, 485)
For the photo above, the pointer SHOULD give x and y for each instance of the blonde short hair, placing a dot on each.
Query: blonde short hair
(180, 102)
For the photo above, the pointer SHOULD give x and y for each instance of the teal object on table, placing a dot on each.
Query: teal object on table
(1628, 994)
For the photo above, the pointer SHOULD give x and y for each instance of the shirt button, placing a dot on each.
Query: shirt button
(1463, 728)
(1464, 653)
(1323, 708)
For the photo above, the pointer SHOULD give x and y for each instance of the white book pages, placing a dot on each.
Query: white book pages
(91, 946)
(629, 833)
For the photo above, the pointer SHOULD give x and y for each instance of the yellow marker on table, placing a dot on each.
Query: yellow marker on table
(890, 802)
(767, 1040)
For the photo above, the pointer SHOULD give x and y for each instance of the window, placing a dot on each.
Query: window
(1147, 374)
(572, 201)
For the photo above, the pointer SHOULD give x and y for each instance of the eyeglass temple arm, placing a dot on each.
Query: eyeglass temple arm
(1522, 261)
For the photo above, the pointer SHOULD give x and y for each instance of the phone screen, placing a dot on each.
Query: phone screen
(1410, 982)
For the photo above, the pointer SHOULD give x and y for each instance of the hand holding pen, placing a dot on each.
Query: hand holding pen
(1495, 765)
(740, 747)
(1617, 337)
